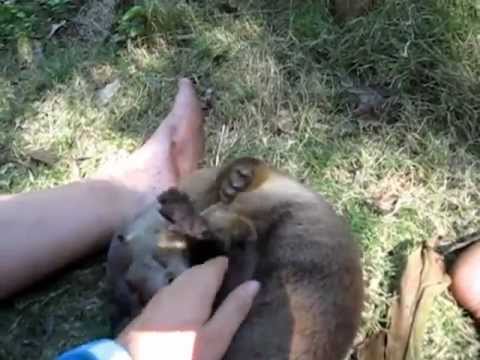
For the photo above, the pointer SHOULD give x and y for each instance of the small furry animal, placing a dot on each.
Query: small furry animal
(283, 234)
(162, 242)
(142, 258)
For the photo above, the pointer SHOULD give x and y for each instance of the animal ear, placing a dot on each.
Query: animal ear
(175, 205)
(178, 209)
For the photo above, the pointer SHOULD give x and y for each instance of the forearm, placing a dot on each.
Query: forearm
(43, 231)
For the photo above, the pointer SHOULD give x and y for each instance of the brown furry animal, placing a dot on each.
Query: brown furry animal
(163, 241)
(290, 240)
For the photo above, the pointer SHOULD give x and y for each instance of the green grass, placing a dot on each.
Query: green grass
(280, 71)
(32, 18)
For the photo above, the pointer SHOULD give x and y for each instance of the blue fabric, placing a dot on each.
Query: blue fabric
(103, 349)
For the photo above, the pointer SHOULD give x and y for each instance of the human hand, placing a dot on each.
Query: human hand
(176, 324)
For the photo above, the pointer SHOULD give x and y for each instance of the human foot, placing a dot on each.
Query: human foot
(171, 152)
(187, 119)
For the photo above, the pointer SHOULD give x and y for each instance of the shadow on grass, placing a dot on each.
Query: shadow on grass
(426, 53)
(65, 309)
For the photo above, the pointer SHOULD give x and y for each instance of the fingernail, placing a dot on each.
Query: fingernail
(252, 287)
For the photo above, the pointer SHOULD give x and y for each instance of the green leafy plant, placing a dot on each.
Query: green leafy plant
(28, 17)
(153, 17)
(134, 22)
(15, 20)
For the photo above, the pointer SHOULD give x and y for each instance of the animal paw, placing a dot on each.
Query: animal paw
(175, 205)
(177, 208)
(238, 177)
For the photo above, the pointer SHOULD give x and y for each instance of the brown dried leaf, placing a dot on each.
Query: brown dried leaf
(373, 348)
(47, 157)
(386, 202)
(284, 123)
(434, 282)
(403, 309)
(105, 94)
(388, 194)
(424, 278)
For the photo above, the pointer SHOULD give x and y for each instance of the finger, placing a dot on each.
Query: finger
(202, 281)
(194, 291)
(225, 322)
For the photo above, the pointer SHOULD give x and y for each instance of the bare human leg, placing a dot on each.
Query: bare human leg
(43, 231)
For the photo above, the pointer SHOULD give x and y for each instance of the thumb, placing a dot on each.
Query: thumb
(218, 332)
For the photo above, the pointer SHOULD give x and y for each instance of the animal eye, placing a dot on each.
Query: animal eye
(161, 263)
(206, 234)
(167, 216)
(170, 276)
(239, 245)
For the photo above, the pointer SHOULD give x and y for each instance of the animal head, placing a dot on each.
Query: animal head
(212, 232)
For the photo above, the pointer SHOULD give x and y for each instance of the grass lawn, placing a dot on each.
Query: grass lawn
(285, 75)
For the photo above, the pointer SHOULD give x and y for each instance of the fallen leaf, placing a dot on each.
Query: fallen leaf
(47, 157)
(388, 194)
(386, 202)
(402, 311)
(434, 282)
(284, 122)
(105, 94)
(423, 279)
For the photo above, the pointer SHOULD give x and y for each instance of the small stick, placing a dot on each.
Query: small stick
(219, 147)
